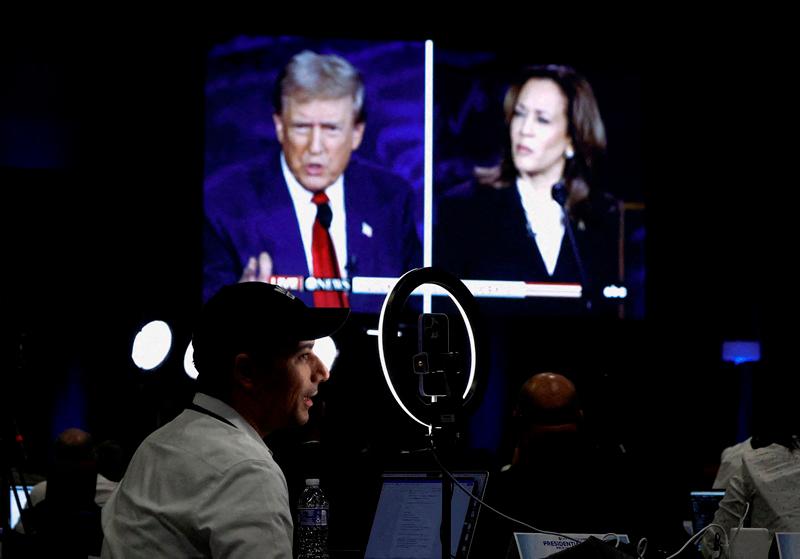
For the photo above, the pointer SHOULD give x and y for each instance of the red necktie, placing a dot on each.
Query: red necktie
(324, 255)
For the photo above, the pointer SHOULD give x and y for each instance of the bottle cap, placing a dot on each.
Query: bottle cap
(311, 482)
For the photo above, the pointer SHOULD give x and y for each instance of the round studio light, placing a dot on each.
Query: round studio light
(325, 349)
(151, 345)
(188, 361)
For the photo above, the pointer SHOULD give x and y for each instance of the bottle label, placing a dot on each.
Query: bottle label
(312, 517)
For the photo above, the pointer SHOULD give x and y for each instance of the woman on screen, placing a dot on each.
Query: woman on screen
(508, 223)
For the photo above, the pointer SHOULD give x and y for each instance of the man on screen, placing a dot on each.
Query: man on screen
(310, 210)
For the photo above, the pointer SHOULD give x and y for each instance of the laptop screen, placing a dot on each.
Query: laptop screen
(20, 490)
(788, 544)
(409, 513)
(704, 505)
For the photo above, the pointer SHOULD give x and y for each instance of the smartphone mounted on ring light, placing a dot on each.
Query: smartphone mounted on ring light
(434, 362)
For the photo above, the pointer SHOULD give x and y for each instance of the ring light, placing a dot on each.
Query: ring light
(390, 312)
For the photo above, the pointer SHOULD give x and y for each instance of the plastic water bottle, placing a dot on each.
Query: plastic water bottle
(312, 522)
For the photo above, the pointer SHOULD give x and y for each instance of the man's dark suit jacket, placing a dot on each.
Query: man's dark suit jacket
(248, 210)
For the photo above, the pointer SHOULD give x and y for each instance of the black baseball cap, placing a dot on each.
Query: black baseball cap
(251, 315)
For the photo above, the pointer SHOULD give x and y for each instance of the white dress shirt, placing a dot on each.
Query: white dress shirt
(730, 462)
(768, 479)
(199, 487)
(545, 221)
(306, 212)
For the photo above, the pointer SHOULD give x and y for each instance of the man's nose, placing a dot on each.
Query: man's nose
(321, 372)
(316, 140)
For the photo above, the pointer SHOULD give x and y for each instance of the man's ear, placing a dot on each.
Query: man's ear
(243, 371)
(358, 134)
(279, 130)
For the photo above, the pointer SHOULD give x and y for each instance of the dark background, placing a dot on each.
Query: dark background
(101, 154)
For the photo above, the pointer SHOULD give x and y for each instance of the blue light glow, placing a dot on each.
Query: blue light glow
(739, 351)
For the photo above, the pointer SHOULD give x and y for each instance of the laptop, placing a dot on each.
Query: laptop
(704, 505)
(749, 543)
(409, 514)
(788, 545)
(14, 510)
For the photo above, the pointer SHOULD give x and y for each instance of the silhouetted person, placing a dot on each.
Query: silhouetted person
(762, 491)
(110, 467)
(558, 480)
(67, 522)
(547, 409)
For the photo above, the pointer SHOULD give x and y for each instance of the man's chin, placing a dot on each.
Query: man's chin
(314, 183)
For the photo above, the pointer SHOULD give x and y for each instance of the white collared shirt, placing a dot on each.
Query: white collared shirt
(767, 479)
(306, 212)
(545, 221)
(200, 487)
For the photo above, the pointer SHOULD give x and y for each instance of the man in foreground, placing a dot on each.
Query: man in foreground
(205, 484)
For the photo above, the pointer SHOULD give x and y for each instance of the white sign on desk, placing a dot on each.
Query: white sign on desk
(539, 546)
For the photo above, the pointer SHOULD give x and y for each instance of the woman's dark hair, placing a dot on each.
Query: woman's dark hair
(584, 126)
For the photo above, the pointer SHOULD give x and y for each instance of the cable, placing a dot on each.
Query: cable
(494, 510)
(613, 535)
(641, 548)
(738, 529)
(728, 545)
(697, 535)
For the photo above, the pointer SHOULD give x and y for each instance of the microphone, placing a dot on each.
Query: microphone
(560, 195)
(352, 265)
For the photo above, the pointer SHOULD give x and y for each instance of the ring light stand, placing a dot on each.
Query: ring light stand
(439, 368)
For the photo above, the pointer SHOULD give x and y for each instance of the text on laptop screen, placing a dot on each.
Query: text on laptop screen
(408, 517)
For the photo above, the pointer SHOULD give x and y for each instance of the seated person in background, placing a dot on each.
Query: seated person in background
(558, 480)
(65, 521)
(109, 461)
(763, 491)
(729, 463)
